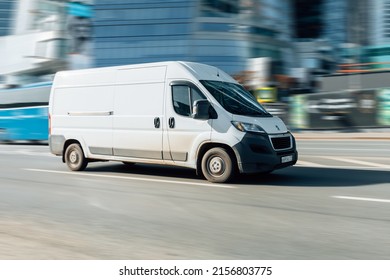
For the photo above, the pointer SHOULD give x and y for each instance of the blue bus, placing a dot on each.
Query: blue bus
(24, 113)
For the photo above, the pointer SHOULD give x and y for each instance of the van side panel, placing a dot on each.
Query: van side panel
(138, 102)
(136, 107)
(85, 77)
(85, 114)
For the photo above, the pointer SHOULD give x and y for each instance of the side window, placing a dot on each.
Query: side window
(183, 98)
(196, 95)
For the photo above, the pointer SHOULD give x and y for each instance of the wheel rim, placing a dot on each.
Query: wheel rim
(73, 157)
(216, 166)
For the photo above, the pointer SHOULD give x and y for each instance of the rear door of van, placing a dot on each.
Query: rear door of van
(84, 113)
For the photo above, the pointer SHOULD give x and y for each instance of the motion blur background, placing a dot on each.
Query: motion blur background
(319, 65)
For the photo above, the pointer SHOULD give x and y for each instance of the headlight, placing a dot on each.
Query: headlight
(248, 127)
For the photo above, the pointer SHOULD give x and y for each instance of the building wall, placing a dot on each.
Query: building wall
(7, 8)
(358, 22)
(223, 33)
(335, 19)
(40, 23)
(380, 22)
(126, 33)
(308, 16)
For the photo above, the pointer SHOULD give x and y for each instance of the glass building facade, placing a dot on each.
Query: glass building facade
(341, 26)
(335, 18)
(346, 21)
(7, 8)
(223, 33)
(338, 21)
(379, 25)
(308, 16)
(380, 22)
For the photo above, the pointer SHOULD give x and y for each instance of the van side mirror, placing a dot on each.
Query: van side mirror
(201, 109)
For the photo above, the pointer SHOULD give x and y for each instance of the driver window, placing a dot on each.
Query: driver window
(196, 95)
(183, 98)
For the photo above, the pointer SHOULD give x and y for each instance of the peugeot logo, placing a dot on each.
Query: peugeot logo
(277, 127)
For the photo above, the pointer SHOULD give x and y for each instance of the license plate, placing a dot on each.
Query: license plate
(287, 158)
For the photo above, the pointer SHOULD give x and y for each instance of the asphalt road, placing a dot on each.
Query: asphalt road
(334, 204)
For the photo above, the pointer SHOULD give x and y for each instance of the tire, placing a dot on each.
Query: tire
(74, 158)
(217, 166)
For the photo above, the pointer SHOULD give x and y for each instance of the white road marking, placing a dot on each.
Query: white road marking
(352, 167)
(308, 163)
(132, 178)
(362, 198)
(360, 162)
(27, 153)
(343, 149)
(32, 153)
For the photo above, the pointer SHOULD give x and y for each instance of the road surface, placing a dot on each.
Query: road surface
(334, 204)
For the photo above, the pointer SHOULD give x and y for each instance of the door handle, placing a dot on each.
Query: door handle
(157, 122)
(171, 122)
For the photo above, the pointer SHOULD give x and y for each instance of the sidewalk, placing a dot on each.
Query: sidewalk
(328, 135)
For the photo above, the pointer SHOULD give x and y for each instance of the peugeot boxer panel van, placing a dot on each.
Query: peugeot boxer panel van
(174, 113)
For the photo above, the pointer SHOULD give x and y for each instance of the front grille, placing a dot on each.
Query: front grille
(282, 142)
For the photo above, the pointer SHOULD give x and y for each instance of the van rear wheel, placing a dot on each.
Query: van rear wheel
(217, 165)
(74, 158)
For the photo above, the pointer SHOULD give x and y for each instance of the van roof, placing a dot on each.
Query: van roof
(198, 70)
(206, 72)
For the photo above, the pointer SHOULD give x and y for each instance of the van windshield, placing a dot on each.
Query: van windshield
(235, 99)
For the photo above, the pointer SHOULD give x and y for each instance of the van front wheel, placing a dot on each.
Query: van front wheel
(217, 165)
(74, 158)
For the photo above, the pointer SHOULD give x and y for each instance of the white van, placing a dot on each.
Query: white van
(176, 113)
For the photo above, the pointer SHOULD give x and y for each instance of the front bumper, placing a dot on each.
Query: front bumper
(255, 153)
